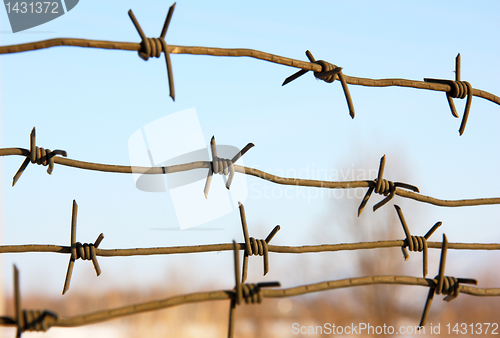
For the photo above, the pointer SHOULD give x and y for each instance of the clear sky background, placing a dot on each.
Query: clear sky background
(90, 101)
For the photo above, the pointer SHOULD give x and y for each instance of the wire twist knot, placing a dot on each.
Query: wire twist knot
(86, 251)
(257, 247)
(251, 293)
(222, 166)
(153, 47)
(416, 243)
(36, 320)
(450, 287)
(329, 73)
(458, 89)
(37, 155)
(383, 187)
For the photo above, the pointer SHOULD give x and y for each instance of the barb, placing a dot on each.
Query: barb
(251, 293)
(416, 243)
(222, 166)
(383, 187)
(322, 69)
(153, 47)
(37, 155)
(398, 186)
(329, 73)
(458, 89)
(443, 284)
(255, 246)
(101, 316)
(29, 320)
(78, 250)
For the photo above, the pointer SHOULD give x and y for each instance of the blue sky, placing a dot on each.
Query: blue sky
(89, 102)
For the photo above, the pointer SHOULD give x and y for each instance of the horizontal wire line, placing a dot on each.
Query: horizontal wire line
(105, 315)
(252, 172)
(229, 246)
(238, 52)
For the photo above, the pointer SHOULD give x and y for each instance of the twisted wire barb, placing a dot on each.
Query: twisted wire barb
(450, 286)
(386, 187)
(222, 166)
(37, 155)
(29, 320)
(254, 246)
(50, 319)
(78, 250)
(153, 47)
(383, 187)
(329, 73)
(458, 89)
(416, 243)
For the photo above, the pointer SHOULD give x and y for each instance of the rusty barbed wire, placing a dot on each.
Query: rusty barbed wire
(78, 250)
(450, 286)
(250, 246)
(218, 165)
(28, 320)
(154, 47)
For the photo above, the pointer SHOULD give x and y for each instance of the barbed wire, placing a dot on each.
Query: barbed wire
(250, 246)
(228, 167)
(250, 293)
(328, 72)
(29, 320)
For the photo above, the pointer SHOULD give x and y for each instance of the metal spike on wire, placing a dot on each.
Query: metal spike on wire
(78, 250)
(254, 246)
(249, 292)
(37, 155)
(383, 187)
(458, 89)
(153, 47)
(222, 166)
(416, 243)
(443, 284)
(329, 73)
(29, 320)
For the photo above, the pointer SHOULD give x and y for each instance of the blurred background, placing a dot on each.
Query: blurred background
(89, 102)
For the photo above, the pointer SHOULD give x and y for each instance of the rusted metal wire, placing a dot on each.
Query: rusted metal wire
(443, 284)
(78, 250)
(416, 243)
(251, 293)
(223, 166)
(379, 185)
(250, 246)
(153, 47)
